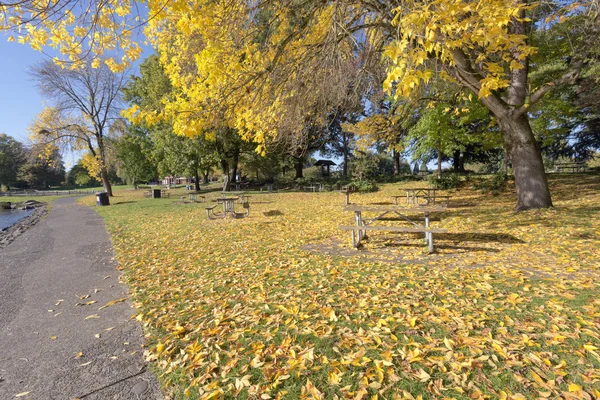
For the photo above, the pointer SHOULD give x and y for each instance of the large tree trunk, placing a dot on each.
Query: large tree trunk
(103, 168)
(299, 166)
(234, 165)
(105, 181)
(197, 180)
(226, 178)
(396, 156)
(528, 167)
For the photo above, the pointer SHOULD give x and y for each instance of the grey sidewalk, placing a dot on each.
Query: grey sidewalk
(53, 281)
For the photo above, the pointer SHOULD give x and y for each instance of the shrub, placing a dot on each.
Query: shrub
(365, 186)
(494, 185)
(449, 181)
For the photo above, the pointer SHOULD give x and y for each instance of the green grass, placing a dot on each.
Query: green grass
(509, 306)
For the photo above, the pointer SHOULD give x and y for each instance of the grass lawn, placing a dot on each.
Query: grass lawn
(279, 305)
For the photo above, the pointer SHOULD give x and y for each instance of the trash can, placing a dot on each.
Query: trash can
(102, 199)
(156, 193)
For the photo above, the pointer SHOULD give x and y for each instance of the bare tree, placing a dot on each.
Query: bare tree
(86, 103)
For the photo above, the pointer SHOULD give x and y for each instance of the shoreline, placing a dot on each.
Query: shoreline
(14, 231)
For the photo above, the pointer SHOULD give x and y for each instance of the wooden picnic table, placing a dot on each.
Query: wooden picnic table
(196, 196)
(347, 190)
(423, 197)
(228, 208)
(577, 166)
(359, 230)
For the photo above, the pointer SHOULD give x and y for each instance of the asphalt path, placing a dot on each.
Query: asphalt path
(57, 341)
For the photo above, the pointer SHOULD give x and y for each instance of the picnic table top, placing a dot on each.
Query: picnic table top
(413, 189)
(227, 198)
(355, 207)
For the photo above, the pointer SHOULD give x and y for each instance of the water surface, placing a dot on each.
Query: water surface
(11, 217)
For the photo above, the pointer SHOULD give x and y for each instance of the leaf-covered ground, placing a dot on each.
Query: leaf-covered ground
(279, 305)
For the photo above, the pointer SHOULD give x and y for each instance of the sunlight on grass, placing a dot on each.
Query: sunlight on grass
(279, 304)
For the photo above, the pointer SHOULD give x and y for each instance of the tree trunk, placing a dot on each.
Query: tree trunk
(396, 156)
(456, 160)
(103, 168)
(299, 166)
(234, 165)
(528, 167)
(345, 139)
(506, 160)
(439, 161)
(225, 170)
(197, 180)
(206, 177)
(105, 181)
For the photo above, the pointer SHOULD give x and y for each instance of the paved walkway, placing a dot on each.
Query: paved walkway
(55, 341)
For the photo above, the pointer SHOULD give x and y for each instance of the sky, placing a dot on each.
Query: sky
(19, 98)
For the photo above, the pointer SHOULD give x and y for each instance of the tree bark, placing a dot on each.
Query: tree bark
(439, 161)
(528, 166)
(197, 180)
(105, 181)
(396, 156)
(234, 165)
(345, 138)
(299, 166)
(225, 170)
(103, 168)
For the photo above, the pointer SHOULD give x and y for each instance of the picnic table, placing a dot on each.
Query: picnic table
(359, 231)
(228, 208)
(347, 190)
(196, 196)
(317, 187)
(577, 166)
(423, 197)
(268, 187)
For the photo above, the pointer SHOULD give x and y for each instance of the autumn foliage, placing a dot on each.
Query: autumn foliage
(278, 305)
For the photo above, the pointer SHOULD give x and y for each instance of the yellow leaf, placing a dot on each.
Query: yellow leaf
(573, 387)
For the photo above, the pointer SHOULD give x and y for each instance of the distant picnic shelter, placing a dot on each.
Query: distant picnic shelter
(325, 164)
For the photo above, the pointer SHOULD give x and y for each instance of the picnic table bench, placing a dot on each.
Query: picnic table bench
(317, 187)
(268, 187)
(423, 197)
(359, 231)
(228, 208)
(196, 197)
(151, 193)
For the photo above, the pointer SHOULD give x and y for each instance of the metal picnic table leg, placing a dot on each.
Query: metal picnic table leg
(428, 235)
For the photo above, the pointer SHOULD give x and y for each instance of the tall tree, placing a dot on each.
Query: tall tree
(259, 67)
(44, 166)
(134, 155)
(86, 101)
(486, 47)
(12, 157)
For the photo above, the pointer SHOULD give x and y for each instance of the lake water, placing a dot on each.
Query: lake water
(10, 217)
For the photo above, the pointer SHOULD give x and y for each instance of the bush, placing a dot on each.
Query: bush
(448, 181)
(494, 185)
(365, 186)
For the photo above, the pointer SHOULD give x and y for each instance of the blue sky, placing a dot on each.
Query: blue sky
(19, 99)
